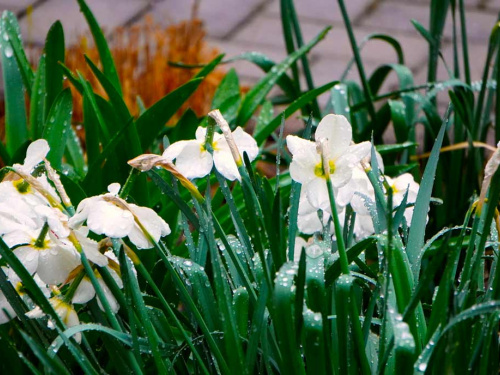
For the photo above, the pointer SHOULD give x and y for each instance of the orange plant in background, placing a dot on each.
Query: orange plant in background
(141, 55)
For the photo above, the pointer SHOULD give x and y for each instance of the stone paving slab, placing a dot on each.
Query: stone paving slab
(395, 17)
(337, 44)
(222, 17)
(249, 73)
(236, 26)
(16, 5)
(110, 14)
(323, 10)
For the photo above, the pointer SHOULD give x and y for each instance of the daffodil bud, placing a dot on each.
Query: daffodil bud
(226, 130)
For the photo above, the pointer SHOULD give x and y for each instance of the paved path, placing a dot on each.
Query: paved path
(236, 26)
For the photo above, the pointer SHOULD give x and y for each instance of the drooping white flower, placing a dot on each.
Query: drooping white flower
(335, 133)
(300, 243)
(6, 311)
(35, 154)
(118, 221)
(308, 221)
(194, 161)
(400, 185)
(85, 291)
(52, 259)
(64, 310)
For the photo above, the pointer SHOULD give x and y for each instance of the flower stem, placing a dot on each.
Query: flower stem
(129, 183)
(41, 237)
(321, 147)
(209, 137)
(344, 263)
(68, 296)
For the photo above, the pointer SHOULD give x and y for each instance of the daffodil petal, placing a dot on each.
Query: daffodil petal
(305, 159)
(35, 153)
(55, 264)
(84, 292)
(337, 130)
(317, 194)
(245, 143)
(224, 162)
(194, 161)
(106, 218)
(176, 148)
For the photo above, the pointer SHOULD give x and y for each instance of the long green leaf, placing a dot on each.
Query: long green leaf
(266, 130)
(16, 132)
(153, 121)
(102, 46)
(13, 35)
(419, 219)
(54, 53)
(258, 93)
(57, 127)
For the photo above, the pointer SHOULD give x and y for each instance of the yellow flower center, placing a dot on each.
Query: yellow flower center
(22, 186)
(214, 147)
(44, 246)
(318, 169)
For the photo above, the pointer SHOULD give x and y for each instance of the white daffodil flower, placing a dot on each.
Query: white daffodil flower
(399, 186)
(335, 133)
(17, 215)
(300, 243)
(308, 221)
(119, 221)
(194, 161)
(6, 310)
(35, 154)
(85, 291)
(64, 310)
(52, 260)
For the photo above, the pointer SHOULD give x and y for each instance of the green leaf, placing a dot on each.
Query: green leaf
(74, 152)
(153, 121)
(102, 46)
(48, 362)
(258, 93)
(266, 130)
(199, 283)
(16, 132)
(185, 128)
(57, 125)
(266, 115)
(12, 34)
(333, 272)
(283, 319)
(227, 96)
(54, 53)
(339, 101)
(38, 101)
(419, 219)
(396, 147)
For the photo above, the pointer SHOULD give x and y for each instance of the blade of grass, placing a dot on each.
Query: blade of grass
(261, 134)
(258, 93)
(54, 53)
(419, 219)
(102, 46)
(16, 132)
(57, 127)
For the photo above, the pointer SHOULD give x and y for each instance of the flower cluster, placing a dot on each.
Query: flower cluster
(36, 223)
(335, 152)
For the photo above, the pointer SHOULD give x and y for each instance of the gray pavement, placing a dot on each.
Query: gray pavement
(236, 26)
